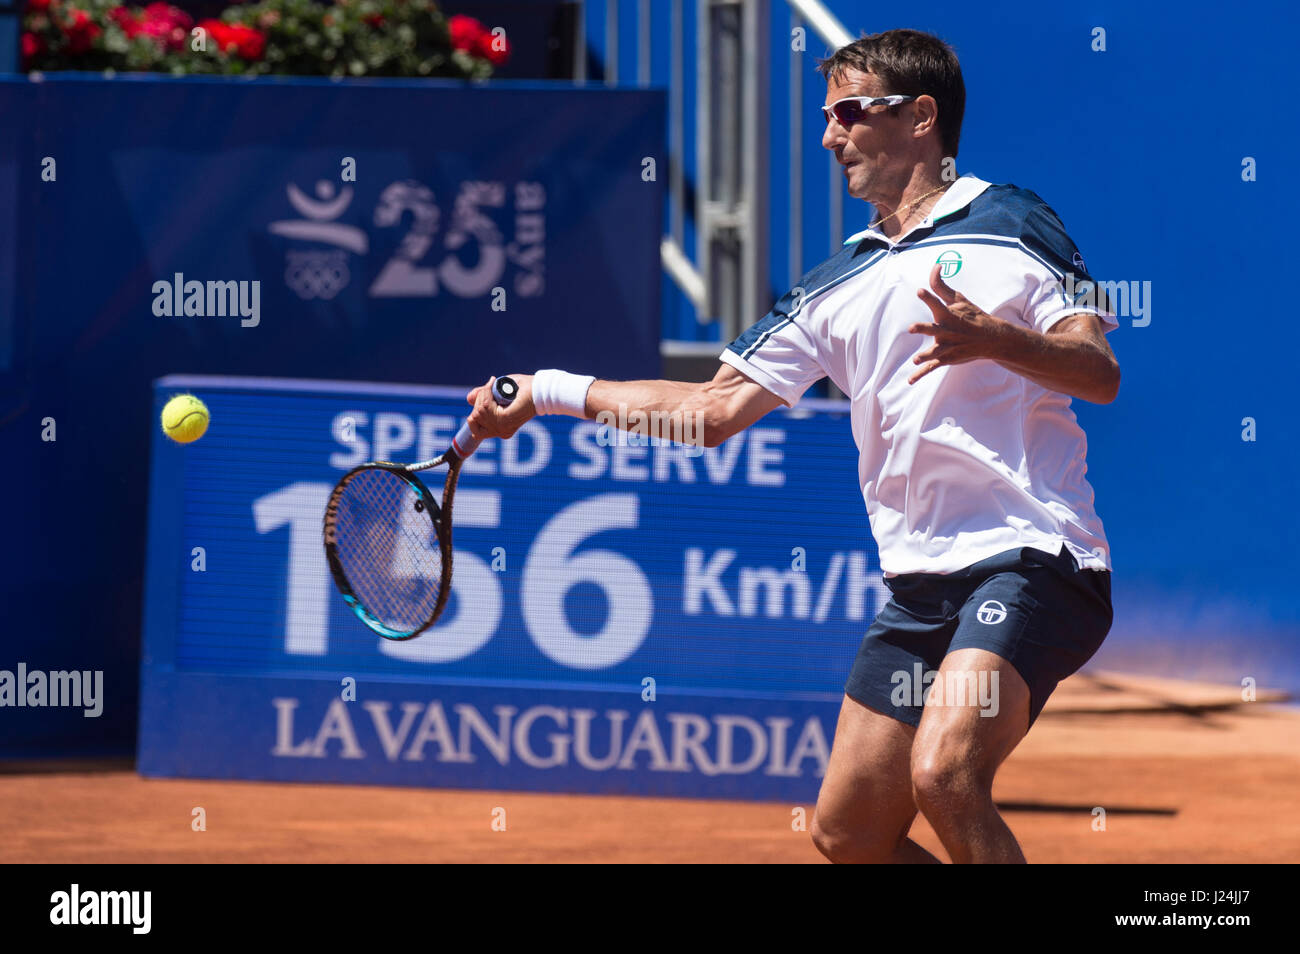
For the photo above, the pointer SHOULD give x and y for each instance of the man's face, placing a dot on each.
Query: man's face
(876, 150)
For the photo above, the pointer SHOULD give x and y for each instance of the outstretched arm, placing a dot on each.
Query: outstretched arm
(711, 411)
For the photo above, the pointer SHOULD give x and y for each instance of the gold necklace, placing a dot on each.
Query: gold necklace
(910, 205)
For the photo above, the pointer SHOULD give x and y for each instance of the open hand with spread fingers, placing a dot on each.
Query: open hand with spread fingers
(960, 330)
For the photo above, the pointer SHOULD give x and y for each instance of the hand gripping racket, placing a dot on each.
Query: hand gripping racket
(388, 541)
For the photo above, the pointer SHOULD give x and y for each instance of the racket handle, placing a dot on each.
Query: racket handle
(504, 390)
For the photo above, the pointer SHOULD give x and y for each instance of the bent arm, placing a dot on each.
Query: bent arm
(1072, 357)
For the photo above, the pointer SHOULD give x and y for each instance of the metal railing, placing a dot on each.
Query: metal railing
(835, 36)
(727, 281)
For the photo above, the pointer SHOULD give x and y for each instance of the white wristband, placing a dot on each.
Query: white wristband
(559, 392)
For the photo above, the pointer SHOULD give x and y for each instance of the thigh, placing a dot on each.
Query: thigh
(867, 791)
(908, 639)
(976, 713)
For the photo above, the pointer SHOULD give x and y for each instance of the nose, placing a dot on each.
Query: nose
(833, 136)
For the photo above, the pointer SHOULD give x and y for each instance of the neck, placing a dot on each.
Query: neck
(910, 200)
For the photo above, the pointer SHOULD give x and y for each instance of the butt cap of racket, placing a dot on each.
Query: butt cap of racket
(504, 391)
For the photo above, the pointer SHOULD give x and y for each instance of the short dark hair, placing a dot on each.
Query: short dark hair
(910, 63)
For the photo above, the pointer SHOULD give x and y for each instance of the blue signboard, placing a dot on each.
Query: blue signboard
(398, 231)
(625, 616)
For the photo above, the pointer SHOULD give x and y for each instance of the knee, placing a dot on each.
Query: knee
(829, 842)
(843, 845)
(943, 783)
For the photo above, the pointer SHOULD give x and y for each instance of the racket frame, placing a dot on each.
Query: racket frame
(439, 519)
(504, 391)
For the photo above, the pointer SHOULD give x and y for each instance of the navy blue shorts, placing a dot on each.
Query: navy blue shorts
(1039, 612)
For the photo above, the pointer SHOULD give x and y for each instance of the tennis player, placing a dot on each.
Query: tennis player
(960, 325)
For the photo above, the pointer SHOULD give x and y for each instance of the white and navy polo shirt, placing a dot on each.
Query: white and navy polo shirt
(973, 459)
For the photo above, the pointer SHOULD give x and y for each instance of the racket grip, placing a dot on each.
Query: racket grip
(504, 391)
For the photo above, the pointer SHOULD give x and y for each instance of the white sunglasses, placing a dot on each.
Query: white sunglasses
(852, 109)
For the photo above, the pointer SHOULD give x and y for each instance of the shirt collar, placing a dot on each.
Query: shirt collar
(959, 195)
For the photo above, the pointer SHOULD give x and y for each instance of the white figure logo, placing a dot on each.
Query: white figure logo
(320, 273)
(991, 612)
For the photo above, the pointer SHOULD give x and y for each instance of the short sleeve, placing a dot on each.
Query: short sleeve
(1059, 282)
(778, 352)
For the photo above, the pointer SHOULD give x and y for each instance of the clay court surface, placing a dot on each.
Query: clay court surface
(1185, 772)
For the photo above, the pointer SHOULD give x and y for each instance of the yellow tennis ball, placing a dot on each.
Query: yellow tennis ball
(185, 419)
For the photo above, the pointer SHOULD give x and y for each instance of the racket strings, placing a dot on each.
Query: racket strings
(389, 550)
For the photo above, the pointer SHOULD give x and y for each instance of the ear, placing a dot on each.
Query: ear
(925, 115)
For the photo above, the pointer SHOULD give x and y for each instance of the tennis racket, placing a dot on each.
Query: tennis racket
(388, 540)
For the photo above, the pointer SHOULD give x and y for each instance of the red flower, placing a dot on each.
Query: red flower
(210, 28)
(374, 19)
(162, 11)
(81, 31)
(166, 25)
(486, 43)
(471, 36)
(250, 43)
(126, 21)
(235, 38)
(244, 42)
(33, 45)
(465, 32)
(221, 34)
(38, 4)
(168, 28)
